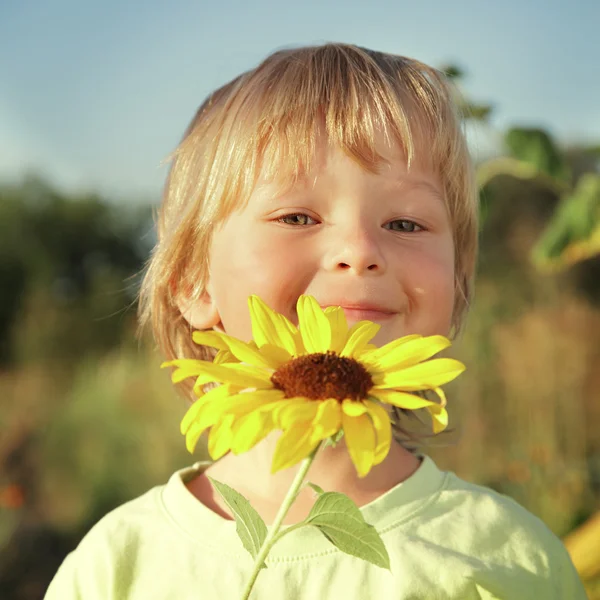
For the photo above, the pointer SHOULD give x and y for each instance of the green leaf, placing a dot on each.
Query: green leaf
(476, 111)
(316, 488)
(249, 525)
(536, 148)
(452, 71)
(342, 523)
(573, 233)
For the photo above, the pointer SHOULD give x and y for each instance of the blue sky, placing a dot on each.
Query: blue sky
(94, 95)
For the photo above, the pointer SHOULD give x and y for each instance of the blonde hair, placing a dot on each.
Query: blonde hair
(265, 121)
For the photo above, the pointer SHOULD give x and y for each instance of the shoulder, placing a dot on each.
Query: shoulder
(108, 550)
(121, 525)
(498, 529)
(495, 514)
(465, 536)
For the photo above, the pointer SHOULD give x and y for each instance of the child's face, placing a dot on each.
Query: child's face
(380, 245)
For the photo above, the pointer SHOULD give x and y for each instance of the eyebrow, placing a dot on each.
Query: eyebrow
(418, 184)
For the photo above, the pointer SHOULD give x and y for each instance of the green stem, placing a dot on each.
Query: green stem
(272, 536)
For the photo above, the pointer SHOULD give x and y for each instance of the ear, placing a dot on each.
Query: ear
(200, 313)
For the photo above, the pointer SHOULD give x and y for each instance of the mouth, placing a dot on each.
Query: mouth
(364, 312)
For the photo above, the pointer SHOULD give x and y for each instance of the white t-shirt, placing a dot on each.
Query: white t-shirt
(447, 539)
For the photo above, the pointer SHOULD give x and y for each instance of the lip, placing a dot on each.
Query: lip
(359, 311)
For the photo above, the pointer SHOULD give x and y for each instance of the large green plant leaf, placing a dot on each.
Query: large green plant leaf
(536, 148)
(573, 234)
(342, 523)
(250, 526)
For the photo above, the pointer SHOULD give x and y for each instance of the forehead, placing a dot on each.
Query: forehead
(383, 155)
(269, 135)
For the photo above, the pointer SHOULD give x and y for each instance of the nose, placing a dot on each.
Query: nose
(357, 251)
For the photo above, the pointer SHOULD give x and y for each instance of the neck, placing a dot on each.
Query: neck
(332, 470)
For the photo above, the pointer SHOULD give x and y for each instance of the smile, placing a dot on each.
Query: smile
(365, 312)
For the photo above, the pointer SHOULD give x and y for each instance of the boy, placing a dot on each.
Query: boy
(340, 173)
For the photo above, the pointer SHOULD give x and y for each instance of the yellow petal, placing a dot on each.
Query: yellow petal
(442, 395)
(314, 325)
(401, 399)
(203, 380)
(411, 352)
(192, 436)
(199, 387)
(383, 430)
(295, 410)
(224, 356)
(209, 414)
(185, 367)
(373, 352)
(270, 327)
(360, 441)
(247, 354)
(220, 437)
(207, 372)
(180, 374)
(427, 375)
(328, 420)
(293, 446)
(438, 412)
(249, 430)
(246, 402)
(214, 339)
(359, 336)
(276, 355)
(193, 411)
(243, 352)
(191, 415)
(339, 328)
(353, 408)
(245, 376)
(218, 407)
(439, 417)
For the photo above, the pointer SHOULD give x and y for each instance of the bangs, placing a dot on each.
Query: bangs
(272, 116)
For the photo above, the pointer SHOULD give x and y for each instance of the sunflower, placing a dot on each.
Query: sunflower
(313, 382)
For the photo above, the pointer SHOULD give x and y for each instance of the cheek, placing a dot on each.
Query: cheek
(431, 294)
(265, 264)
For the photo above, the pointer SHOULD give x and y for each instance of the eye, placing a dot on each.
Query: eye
(403, 225)
(297, 219)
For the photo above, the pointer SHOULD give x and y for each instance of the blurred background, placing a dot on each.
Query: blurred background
(95, 95)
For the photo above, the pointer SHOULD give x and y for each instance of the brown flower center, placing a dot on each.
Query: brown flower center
(322, 376)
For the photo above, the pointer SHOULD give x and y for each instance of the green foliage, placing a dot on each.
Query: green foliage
(342, 523)
(107, 438)
(573, 233)
(535, 147)
(77, 440)
(453, 72)
(476, 112)
(467, 109)
(249, 525)
(64, 267)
